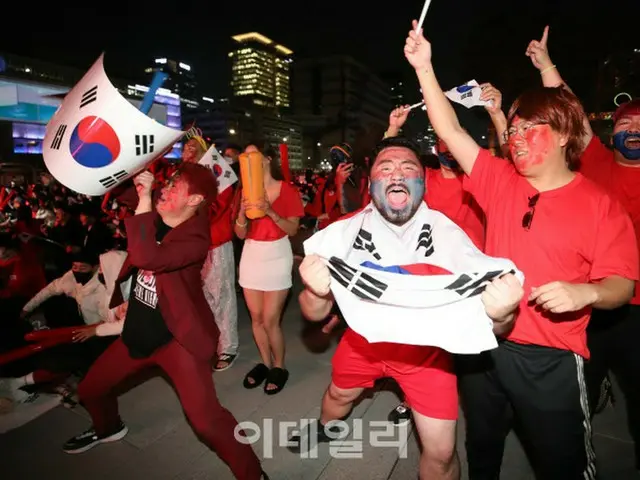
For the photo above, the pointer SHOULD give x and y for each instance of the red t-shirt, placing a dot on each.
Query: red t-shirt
(579, 234)
(287, 205)
(447, 196)
(221, 225)
(597, 163)
(403, 358)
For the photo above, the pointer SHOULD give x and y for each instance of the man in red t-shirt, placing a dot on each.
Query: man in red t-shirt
(577, 250)
(612, 334)
(424, 373)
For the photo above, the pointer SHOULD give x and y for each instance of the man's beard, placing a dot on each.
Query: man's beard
(397, 216)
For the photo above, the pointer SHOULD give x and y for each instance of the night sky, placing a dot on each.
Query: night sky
(477, 39)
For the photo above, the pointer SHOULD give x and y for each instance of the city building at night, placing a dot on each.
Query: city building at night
(181, 79)
(223, 122)
(337, 99)
(260, 71)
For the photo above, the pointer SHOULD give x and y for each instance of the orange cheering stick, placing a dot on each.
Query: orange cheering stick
(252, 182)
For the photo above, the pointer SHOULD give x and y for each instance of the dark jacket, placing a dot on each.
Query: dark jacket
(177, 262)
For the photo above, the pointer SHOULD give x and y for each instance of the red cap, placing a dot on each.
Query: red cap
(629, 108)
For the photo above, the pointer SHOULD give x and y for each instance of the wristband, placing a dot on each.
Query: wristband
(547, 69)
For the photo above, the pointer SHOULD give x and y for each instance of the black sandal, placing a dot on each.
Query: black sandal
(278, 377)
(258, 374)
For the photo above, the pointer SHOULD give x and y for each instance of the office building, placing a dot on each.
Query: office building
(337, 99)
(181, 79)
(222, 123)
(260, 71)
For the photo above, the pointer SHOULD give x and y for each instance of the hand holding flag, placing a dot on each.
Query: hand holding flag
(315, 275)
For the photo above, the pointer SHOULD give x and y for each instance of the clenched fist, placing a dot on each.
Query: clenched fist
(501, 297)
(315, 275)
(144, 183)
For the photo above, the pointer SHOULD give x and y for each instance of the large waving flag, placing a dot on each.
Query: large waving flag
(419, 284)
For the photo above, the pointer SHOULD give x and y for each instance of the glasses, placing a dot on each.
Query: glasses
(528, 217)
(521, 129)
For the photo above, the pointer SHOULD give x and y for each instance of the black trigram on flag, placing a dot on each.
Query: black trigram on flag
(89, 96)
(363, 242)
(144, 144)
(227, 174)
(57, 139)
(473, 284)
(108, 182)
(359, 283)
(425, 240)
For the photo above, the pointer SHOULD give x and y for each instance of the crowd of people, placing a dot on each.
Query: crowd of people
(556, 202)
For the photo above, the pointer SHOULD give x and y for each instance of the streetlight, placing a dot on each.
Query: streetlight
(232, 131)
(284, 139)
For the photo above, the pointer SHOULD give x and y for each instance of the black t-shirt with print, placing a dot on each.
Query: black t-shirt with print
(145, 331)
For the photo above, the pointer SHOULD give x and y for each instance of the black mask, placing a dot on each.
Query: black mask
(82, 277)
(101, 278)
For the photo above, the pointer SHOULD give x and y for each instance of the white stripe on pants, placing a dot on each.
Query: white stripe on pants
(218, 283)
(590, 471)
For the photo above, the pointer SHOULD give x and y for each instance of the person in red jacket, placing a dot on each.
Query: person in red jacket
(611, 334)
(168, 322)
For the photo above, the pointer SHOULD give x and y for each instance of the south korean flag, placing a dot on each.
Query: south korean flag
(224, 174)
(416, 284)
(97, 138)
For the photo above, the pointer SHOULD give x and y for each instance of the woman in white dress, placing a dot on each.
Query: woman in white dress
(265, 273)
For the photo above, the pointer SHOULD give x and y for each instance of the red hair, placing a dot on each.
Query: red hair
(200, 179)
(558, 108)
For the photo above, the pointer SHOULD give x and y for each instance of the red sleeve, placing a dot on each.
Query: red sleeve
(222, 205)
(616, 248)
(488, 179)
(595, 158)
(292, 202)
(314, 208)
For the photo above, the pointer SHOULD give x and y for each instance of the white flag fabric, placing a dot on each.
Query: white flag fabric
(220, 167)
(398, 306)
(467, 95)
(98, 139)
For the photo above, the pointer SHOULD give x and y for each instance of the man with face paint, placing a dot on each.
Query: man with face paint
(444, 193)
(611, 334)
(425, 374)
(576, 247)
(168, 322)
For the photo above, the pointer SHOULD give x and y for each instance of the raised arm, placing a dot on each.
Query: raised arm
(538, 52)
(441, 114)
(492, 95)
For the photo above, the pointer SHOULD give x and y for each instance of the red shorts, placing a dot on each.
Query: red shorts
(425, 374)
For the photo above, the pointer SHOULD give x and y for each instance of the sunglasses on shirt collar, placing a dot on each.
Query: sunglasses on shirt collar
(527, 219)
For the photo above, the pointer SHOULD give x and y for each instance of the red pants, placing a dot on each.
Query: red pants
(192, 379)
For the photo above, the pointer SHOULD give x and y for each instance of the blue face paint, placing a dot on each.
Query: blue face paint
(448, 161)
(620, 138)
(413, 186)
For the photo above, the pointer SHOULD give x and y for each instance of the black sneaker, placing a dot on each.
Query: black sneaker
(89, 439)
(301, 443)
(400, 416)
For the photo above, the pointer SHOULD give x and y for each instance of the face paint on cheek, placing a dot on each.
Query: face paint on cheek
(535, 147)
